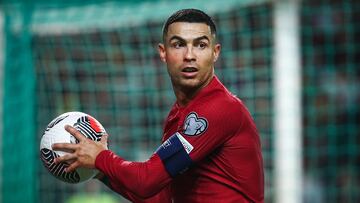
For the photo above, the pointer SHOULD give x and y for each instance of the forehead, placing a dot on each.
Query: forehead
(187, 30)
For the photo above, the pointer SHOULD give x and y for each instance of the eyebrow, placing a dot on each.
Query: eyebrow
(175, 37)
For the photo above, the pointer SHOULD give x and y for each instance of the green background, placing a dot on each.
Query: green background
(100, 57)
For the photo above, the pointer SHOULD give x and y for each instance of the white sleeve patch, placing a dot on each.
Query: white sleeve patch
(187, 146)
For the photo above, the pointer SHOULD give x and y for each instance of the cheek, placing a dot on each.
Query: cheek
(173, 57)
(173, 60)
(207, 59)
(172, 63)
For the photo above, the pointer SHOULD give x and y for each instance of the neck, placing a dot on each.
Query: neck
(183, 97)
(185, 94)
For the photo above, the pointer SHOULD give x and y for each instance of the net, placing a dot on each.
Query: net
(330, 48)
(101, 58)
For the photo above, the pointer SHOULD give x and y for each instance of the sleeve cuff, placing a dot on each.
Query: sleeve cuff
(101, 159)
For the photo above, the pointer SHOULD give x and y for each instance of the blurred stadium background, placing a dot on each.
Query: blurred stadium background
(100, 57)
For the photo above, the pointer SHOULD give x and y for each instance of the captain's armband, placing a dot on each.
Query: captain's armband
(174, 153)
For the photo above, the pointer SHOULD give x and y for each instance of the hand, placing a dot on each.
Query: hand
(82, 154)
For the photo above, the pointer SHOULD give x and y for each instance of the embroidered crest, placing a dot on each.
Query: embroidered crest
(194, 125)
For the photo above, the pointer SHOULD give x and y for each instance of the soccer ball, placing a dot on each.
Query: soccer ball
(55, 133)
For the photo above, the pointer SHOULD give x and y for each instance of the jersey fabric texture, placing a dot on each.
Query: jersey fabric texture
(218, 136)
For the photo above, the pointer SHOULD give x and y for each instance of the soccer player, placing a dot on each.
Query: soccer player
(210, 149)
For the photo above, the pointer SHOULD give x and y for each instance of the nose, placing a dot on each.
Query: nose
(189, 54)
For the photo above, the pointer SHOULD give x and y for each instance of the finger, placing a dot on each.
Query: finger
(66, 157)
(66, 150)
(72, 167)
(77, 134)
(66, 147)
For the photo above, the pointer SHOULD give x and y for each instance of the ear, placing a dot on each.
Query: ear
(217, 49)
(162, 52)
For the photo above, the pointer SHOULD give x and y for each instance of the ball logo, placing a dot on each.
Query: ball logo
(194, 125)
(55, 121)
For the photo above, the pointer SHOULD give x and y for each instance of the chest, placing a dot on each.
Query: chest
(173, 124)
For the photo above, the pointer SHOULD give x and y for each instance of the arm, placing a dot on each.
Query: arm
(142, 179)
(145, 179)
(162, 196)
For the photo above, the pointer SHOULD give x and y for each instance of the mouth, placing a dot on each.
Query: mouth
(189, 70)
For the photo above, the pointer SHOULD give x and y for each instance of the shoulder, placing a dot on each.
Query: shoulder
(220, 101)
(217, 95)
(220, 107)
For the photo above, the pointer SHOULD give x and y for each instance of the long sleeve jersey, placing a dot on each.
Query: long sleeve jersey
(210, 152)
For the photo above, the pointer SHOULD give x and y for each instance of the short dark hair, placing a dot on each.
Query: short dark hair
(190, 15)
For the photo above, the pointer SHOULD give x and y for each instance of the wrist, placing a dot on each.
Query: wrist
(100, 158)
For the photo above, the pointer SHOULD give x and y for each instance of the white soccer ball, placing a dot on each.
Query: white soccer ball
(55, 133)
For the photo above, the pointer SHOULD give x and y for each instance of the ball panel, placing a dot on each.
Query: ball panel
(90, 127)
(58, 170)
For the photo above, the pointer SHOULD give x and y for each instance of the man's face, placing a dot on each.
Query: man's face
(190, 52)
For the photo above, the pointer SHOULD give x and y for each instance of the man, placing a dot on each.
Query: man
(211, 149)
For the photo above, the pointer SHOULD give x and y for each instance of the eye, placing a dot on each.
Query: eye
(177, 44)
(202, 45)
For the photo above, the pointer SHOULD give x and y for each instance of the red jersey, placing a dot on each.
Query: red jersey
(220, 158)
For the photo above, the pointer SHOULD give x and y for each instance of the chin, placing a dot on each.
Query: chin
(190, 84)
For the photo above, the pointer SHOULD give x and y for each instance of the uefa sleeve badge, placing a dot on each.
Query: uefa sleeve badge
(194, 125)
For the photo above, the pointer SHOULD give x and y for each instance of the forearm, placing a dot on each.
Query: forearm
(116, 188)
(163, 196)
(133, 179)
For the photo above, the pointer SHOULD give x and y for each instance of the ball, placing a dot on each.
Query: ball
(55, 133)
